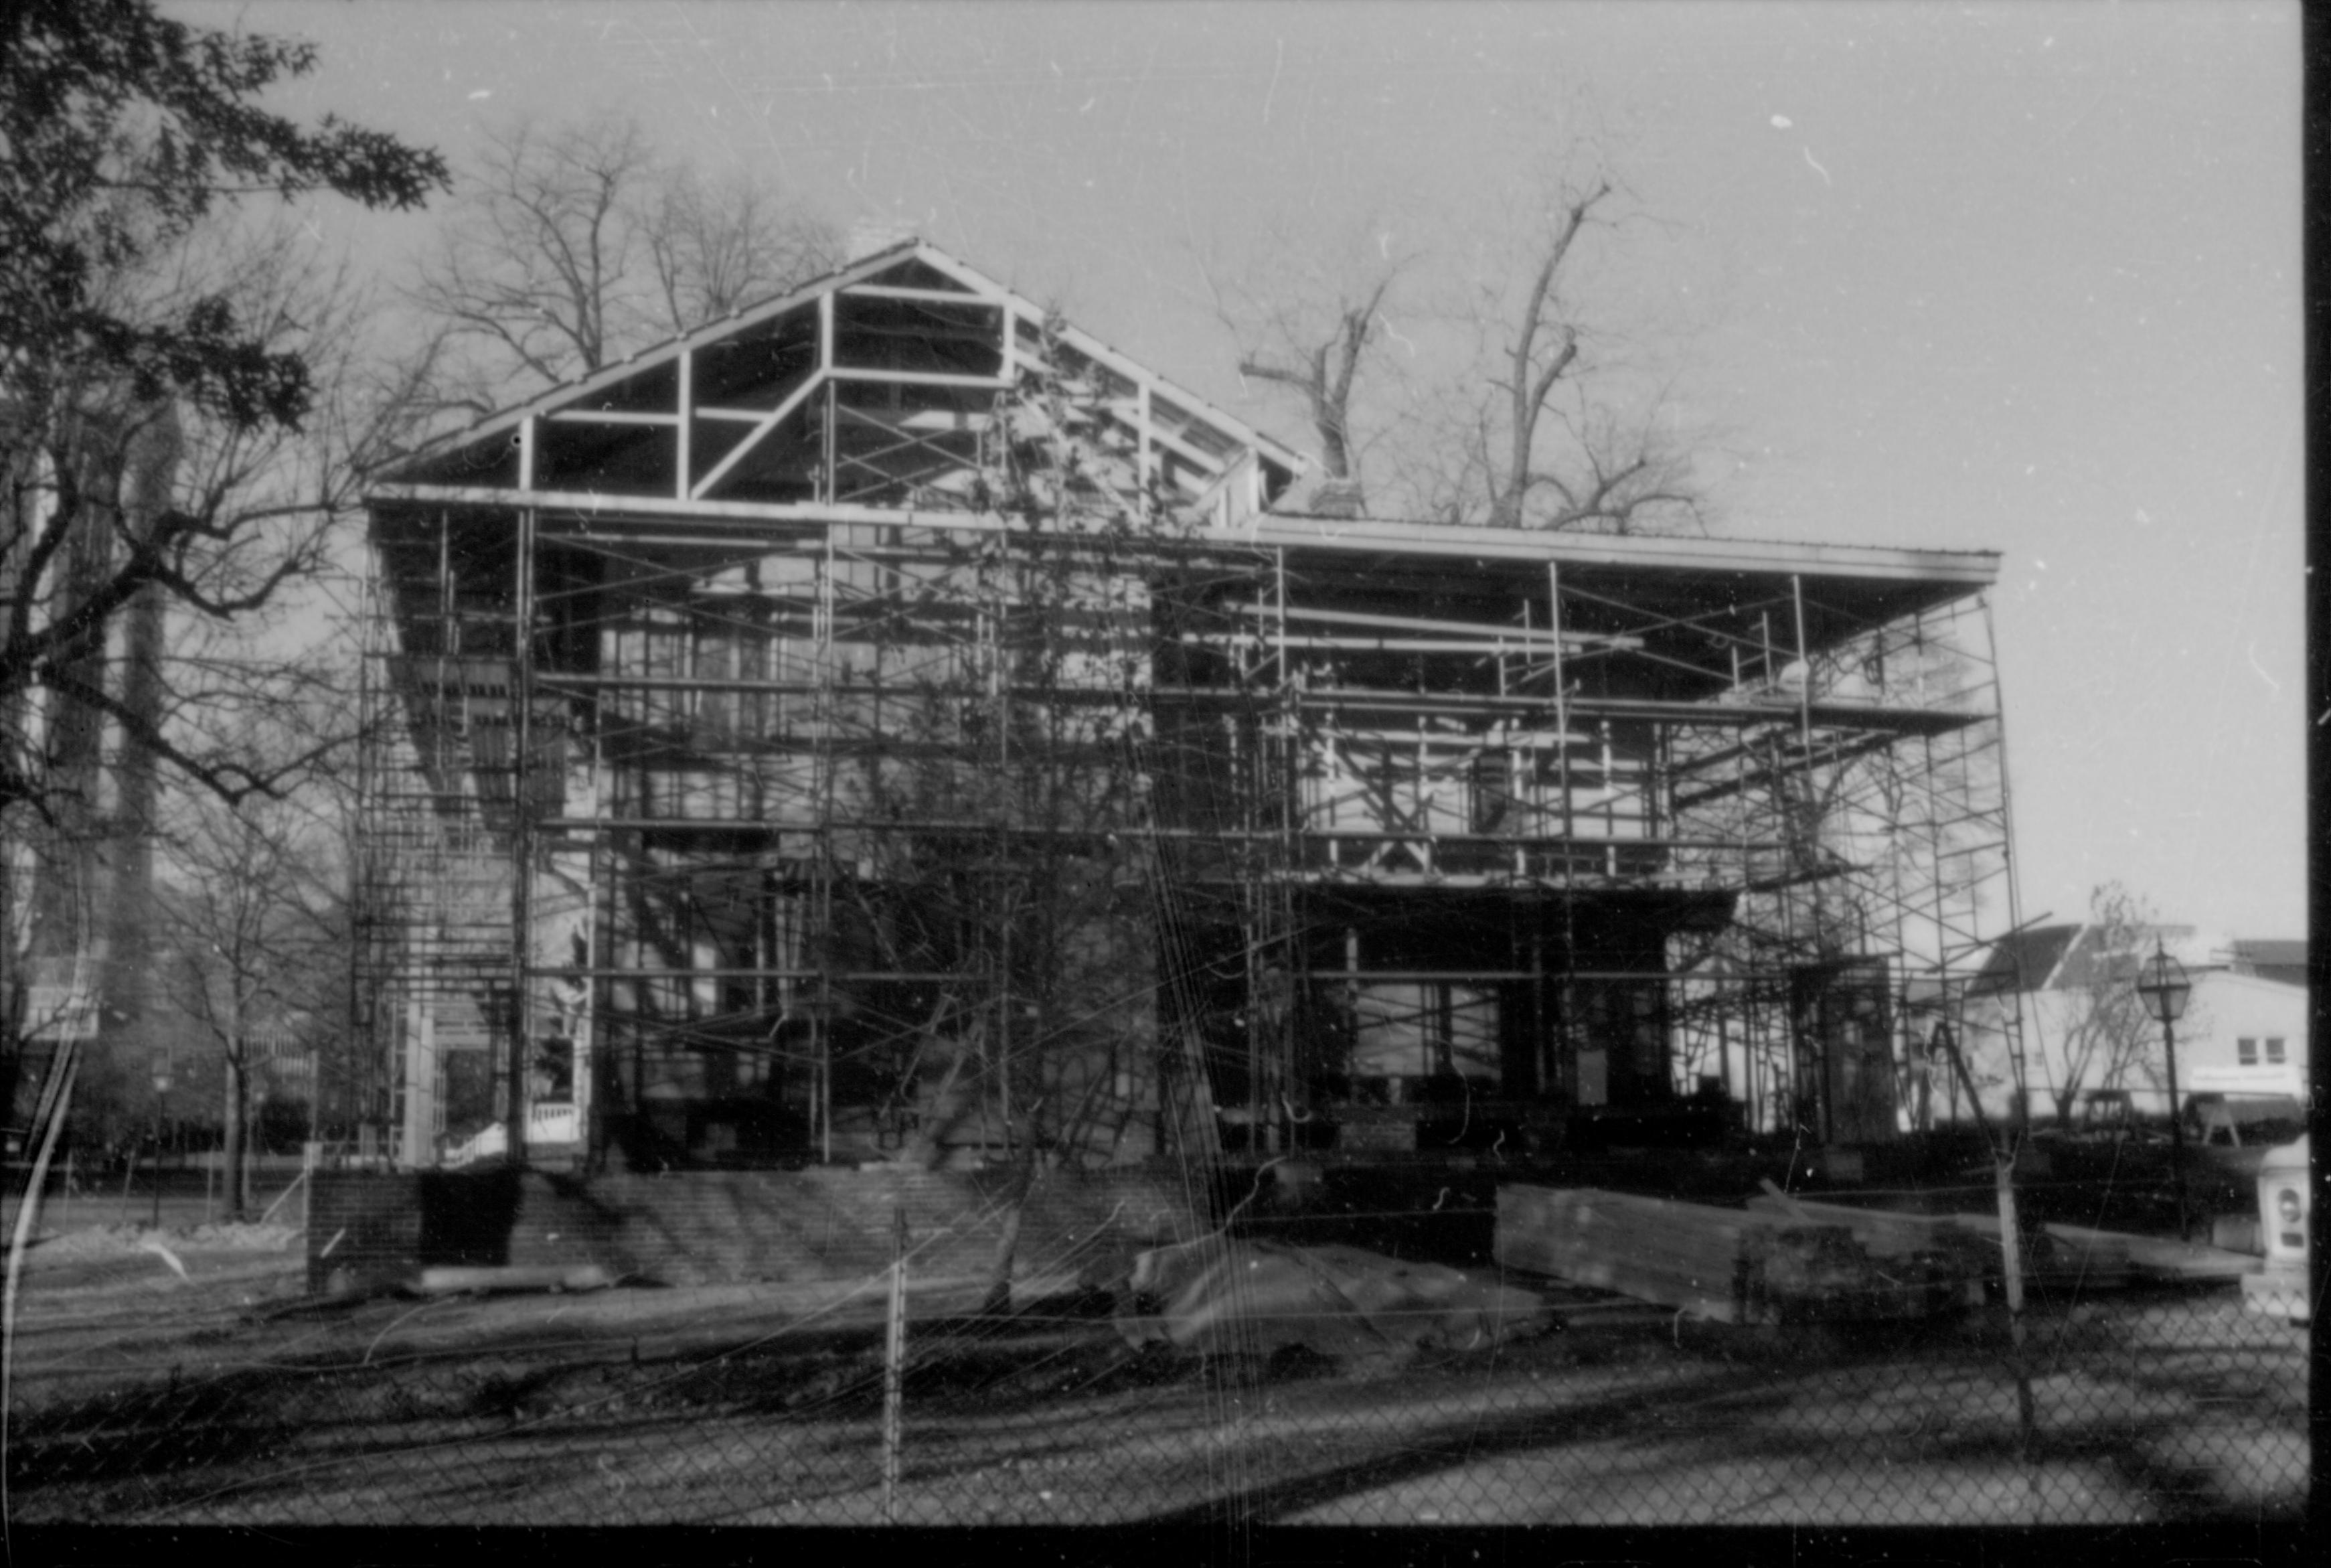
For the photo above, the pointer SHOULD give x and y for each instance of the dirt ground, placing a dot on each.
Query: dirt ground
(182, 1377)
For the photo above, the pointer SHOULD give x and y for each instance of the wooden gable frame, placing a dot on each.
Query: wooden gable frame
(881, 385)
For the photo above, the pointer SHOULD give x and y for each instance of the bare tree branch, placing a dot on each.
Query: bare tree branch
(572, 246)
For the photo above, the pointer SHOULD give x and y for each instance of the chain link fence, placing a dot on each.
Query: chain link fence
(224, 1397)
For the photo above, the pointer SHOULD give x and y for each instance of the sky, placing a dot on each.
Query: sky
(2015, 277)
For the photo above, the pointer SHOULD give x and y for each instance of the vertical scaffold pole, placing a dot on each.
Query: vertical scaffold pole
(1565, 1069)
(823, 783)
(1824, 1070)
(828, 483)
(521, 699)
(1561, 703)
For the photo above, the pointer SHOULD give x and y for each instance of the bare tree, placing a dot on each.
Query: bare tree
(253, 920)
(717, 245)
(1308, 312)
(1550, 439)
(1020, 751)
(571, 246)
(1541, 420)
(125, 134)
(2100, 1027)
(153, 552)
(1321, 366)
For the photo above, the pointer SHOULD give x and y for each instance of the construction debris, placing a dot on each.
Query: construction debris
(1220, 1297)
(1725, 1265)
(1974, 1250)
(2056, 1256)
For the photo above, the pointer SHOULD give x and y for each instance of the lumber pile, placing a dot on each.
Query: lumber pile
(1727, 1265)
(2061, 1257)
(1966, 1252)
(2054, 1256)
(2097, 1254)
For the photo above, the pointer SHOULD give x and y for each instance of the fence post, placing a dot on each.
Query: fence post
(894, 1359)
(2001, 1146)
(2011, 1246)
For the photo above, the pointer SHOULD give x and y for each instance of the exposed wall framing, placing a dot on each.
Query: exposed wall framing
(921, 737)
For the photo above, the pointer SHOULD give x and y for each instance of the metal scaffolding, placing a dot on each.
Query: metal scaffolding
(888, 722)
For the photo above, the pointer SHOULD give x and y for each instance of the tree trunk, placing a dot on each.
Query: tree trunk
(236, 1179)
(998, 1301)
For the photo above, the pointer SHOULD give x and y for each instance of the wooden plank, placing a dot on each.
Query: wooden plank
(2061, 1256)
(2068, 1258)
(2152, 1257)
(1614, 1242)
(1782, 1200)
(454, 1279)
(1727, 1265)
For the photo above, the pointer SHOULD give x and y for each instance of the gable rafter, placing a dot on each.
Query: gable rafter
(865, 373)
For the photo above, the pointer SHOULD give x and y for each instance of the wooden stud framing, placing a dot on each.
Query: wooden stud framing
(1293, 645)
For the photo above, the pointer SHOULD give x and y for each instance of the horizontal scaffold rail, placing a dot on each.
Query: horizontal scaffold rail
(935, 690)
(1849, 715)
(1531, 843)
(1316, 975)
(1499, 637)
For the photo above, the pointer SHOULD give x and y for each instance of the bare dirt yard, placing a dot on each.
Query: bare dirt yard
(183, 1377)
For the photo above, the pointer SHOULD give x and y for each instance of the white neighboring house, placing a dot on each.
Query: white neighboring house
(2244, 1032)
(2250, 1039)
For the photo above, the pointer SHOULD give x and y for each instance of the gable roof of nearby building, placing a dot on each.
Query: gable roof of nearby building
(2066, 958)
(2023, 960)
(2271, 958)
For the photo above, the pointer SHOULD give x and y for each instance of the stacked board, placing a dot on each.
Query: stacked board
(1725, 1265)
(1974, 1254)
(2102, 1254)
(2055, 1256)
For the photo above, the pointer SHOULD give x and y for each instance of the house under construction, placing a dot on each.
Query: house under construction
(890, 722)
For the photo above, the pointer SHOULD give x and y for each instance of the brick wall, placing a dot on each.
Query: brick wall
(721, 1227)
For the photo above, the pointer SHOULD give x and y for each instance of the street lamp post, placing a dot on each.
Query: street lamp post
(161, 1115)
(2162, 986)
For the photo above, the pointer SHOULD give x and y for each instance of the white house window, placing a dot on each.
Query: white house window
(2274, 1049)
(2246, 1052)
